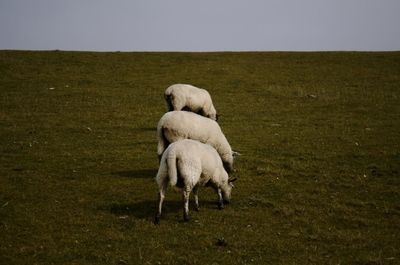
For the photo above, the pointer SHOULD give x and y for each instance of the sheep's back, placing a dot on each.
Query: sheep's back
(198, 156)
(190, 125)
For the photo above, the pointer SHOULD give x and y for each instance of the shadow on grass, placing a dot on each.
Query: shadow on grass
(140, 173)
(146, 129)
(144, 209)
(147, 209)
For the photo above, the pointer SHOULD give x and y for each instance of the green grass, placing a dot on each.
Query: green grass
(318, 181)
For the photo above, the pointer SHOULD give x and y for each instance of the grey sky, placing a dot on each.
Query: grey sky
(200, 25)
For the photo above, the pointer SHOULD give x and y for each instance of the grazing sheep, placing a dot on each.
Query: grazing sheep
(178, 125)
(191, 98)
(189, 164)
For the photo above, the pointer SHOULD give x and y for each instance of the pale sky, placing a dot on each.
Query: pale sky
(200, 25)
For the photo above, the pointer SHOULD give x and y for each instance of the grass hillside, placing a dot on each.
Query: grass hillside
(318, 179)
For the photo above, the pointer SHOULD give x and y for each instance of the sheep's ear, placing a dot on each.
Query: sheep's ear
(232, 180)
(234, 153)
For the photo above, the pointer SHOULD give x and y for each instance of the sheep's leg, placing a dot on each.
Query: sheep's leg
(196, 197)
(220, 199)
(161, 196)
(186, 194)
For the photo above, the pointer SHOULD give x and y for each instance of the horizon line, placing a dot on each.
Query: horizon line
(192, 51)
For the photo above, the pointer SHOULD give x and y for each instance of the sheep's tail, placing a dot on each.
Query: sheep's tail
(162, 174)
(172, 168)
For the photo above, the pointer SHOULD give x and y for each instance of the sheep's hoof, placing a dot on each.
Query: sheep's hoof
(220, 206)
(157, 220)
(197, 208)
(227, 201)
(186, 218)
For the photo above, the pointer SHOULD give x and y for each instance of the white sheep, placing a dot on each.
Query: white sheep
(178, 125)
(191, 98)
(189, 164)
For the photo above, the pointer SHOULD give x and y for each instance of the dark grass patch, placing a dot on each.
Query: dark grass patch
(140, 173)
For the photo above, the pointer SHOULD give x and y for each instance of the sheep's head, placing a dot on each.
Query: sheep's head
(227, 189)
(228, 166)
(228, 159)
(235, 154)
(213, 116)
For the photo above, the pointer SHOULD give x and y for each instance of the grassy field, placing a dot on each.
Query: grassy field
(318, 179)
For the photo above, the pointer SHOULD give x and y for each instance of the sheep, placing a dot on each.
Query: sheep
(189, 164)
(178, 125)
(191, 98)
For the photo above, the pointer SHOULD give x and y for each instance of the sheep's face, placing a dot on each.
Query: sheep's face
(227, 161)
(213, 117)
(227, 190)
(226, 193)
